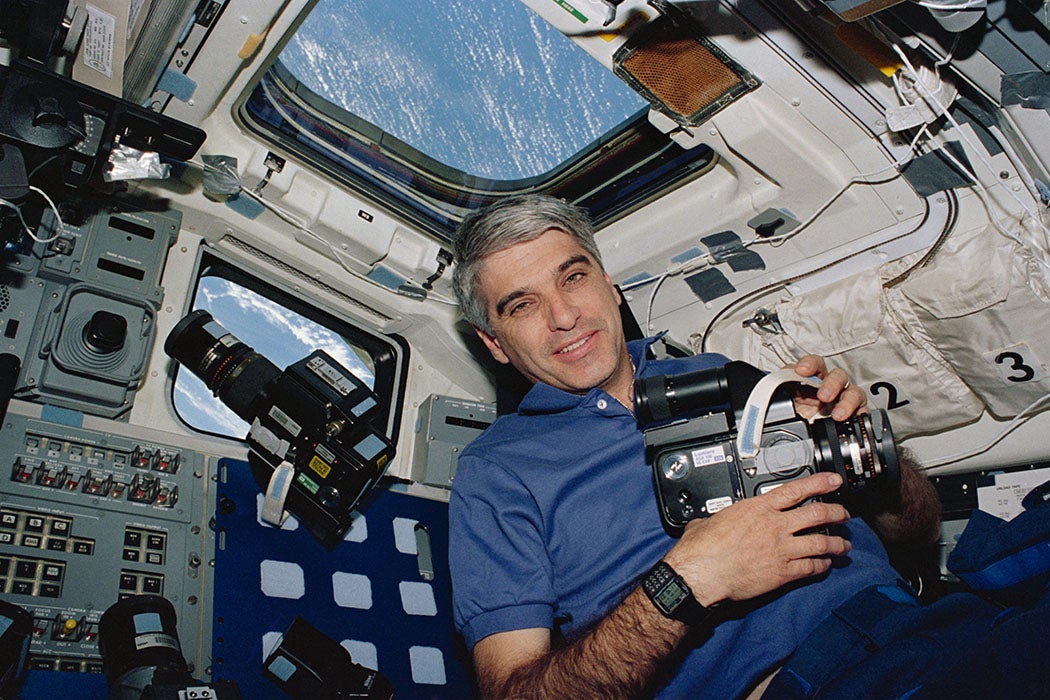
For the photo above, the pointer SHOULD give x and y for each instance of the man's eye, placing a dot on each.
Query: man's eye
(575, 277)
(520, 306)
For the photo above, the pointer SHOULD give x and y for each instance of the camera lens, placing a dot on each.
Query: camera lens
(232, 370)
(861, 450)
(663, 396)
(106, 332)
(137, 636)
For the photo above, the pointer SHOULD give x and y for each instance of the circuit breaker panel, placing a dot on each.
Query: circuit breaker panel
(89, 517)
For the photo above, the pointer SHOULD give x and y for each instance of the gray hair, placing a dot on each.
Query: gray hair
(501, 225)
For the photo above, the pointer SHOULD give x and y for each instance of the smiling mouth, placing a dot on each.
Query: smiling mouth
(575, 346)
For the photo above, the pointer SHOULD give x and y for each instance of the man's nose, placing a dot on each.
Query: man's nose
(562, 313)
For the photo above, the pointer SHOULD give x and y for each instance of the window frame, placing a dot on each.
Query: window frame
(389, 353)
(615, 175)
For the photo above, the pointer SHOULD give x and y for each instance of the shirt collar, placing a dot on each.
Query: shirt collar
(543, 398)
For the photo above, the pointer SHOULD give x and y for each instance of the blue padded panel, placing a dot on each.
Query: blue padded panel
(367, 593)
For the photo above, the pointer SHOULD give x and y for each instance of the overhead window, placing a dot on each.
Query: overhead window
(437, 107)
(489, 89)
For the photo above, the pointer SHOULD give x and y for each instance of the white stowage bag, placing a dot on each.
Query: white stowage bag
(983, 299)
(857, 326)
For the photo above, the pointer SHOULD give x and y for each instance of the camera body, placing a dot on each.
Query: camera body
(309, 665)
(16, 629)
(313, 448)
(171, 687)
(698, 468)
(316, 417)
(142, 657)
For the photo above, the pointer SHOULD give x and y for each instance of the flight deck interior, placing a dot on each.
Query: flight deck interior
(234, 376)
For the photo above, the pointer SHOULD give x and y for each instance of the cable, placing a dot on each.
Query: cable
(1016, 422)
(953, 6)
(932, 101)
(29, 232)
(855, 180)
(706, 259)
(949, 226)
(783, 283)
(290, 218)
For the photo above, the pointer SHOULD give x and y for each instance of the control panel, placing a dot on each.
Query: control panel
(88, 518)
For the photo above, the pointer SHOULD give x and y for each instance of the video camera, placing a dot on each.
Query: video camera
(313, 449)
(16, 630)
(699, 467)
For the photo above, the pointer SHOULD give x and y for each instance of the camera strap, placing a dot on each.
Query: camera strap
(261, 438)
(753, 417)
(273, 510)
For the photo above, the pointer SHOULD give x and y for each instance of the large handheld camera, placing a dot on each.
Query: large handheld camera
(313, 449)
(699, 468)
(16, 629)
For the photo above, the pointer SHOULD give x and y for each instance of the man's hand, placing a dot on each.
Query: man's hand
(912, 517)
(835, 391)
(754, 546)
(750, 548)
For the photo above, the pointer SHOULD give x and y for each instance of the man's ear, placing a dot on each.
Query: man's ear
(616, 290)
(493, 345)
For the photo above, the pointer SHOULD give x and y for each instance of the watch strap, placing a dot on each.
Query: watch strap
(671, 595)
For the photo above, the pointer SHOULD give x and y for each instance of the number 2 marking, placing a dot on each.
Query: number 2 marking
(892, 401)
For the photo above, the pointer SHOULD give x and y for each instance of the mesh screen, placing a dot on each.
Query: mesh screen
(683, 74)
(680, 72)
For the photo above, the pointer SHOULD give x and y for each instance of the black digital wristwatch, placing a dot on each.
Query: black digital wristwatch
(672, 597)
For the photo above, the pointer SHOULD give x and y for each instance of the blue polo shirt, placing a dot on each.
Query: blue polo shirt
(553, 518)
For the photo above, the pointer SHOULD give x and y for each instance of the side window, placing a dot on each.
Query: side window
(283, 330)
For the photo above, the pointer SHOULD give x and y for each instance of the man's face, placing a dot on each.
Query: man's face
(555, 315)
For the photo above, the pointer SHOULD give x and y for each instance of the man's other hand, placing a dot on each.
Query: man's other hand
(835, 392)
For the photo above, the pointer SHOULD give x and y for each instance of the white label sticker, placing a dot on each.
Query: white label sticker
(330, 375)
(99, 38)
(285, 421)
(714, 505)
(707, 456)
(1017, 364)
(149, 641)
(1003, 497)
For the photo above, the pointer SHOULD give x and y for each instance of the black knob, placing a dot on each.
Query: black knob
(105, 332)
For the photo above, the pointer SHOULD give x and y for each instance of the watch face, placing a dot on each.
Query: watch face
(670, 596)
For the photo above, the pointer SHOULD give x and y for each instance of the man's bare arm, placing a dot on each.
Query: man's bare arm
(616, 659)
(742, 552)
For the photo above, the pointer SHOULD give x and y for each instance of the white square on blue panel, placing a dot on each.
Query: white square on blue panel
(363, 653)
(405, 535)
(281, 579)
(428, 665)
(352, 590)
(270, 641)
(358, 531)
(417, 598)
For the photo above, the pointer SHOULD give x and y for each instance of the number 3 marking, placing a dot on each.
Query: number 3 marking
(1016, 361)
